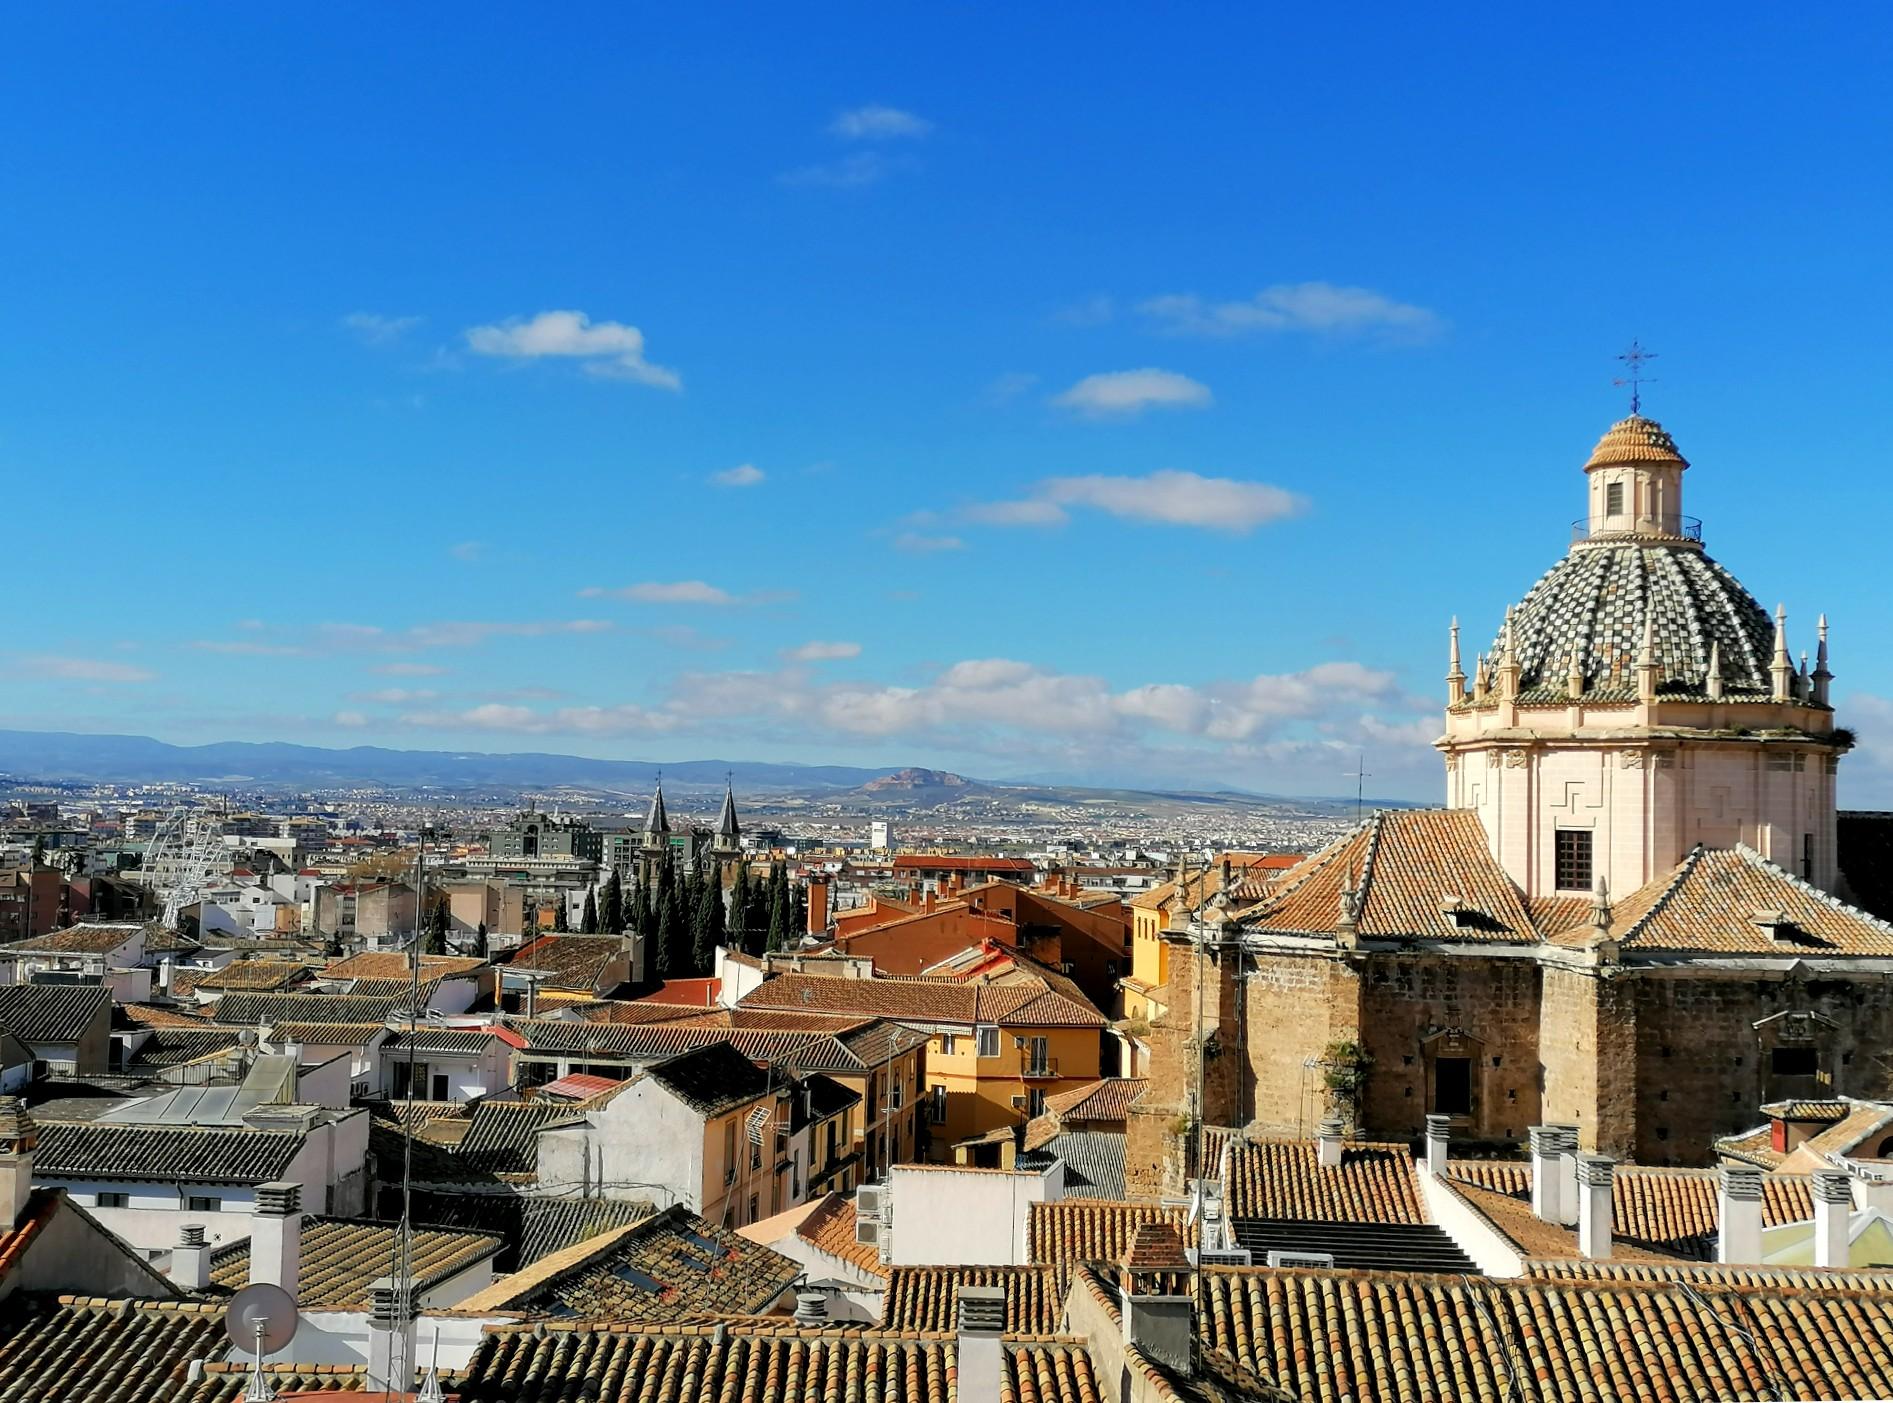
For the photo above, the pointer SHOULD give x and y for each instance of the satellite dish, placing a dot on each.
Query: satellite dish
(261, 1314)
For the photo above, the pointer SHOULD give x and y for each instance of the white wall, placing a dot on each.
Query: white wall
(1476, 1237)
(643, 1143)
(951, 1216)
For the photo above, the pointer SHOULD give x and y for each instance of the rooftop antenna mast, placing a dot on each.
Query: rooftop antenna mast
(1360, 774)
(1635, 358)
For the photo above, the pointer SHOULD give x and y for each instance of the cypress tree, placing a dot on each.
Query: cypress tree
(559, 922)
(707, 933)
(611, 906)
(434, 942)
(778, 908)
(798, 910)
(660, 945)
(588, 920)
(738, 920)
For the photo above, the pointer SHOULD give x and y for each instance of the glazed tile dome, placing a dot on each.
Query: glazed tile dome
(1596, 599)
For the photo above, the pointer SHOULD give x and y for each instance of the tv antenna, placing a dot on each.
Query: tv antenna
(260, 1319)
(1360, 774)
(1635, 358)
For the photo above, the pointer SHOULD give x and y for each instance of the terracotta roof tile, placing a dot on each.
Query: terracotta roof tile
(1284, 1179)
(342, 1259)
(927, 1298)
(1075, 1230)
(393, 964)
(1109, 1099)
(103, 1351)
(831, 1229)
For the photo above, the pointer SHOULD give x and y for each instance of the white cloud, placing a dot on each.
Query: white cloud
(409, 670)
(52, 669)
(859, 168)
(816, 652)
(1124, 393)
(395, 696)
(374, 329)
(468, 550)
(656, 592)
(918, 543)
(523, 720)
(742, 475)
(351, 719)
(1167, 498)
(1315, 307)
(613, 350)
(875, 122)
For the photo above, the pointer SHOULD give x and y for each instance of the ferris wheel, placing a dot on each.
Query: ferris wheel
(185, 854)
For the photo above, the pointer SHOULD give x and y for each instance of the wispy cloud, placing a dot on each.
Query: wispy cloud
(410, 670)
(351, 720)
(1004, 389)
(395, 696)
(375, 329)
(332, 638)
(742, 475)
(1123, 394)
(1318, 308)
(1095, 310)
(817, 652)
(683, 592)
(921, 543)
(468, 551)
(611, 350)
(876, 122)
(1031, 511)
(853, 170)
(1167, 498)
(621, 720)
(43, 667)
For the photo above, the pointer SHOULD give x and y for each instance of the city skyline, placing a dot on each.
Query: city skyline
(897, 404)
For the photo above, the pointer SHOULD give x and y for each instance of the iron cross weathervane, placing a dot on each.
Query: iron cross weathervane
(1636, 379)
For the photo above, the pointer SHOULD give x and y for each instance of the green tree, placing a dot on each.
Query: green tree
(39, 850)
(559, 921)
(439, 921)
(738, 918)
(778, 907)
(673, 937)
(611, 917)
(707, 932)
(588, 922)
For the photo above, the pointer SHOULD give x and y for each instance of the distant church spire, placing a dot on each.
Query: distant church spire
(729, 833)
(657, 822)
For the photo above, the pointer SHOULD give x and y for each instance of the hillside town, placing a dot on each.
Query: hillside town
(1573, 1087)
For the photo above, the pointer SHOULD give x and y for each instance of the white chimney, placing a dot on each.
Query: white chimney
(190, 1260)
(276, 1235)
(1438, 1133)
(164, 976)
(1328, 1143)
(1547, 1150)
(1833, 1209)
(391, 1336)
(982, 1318)
(1567, 1174)
(1163, 1327)
(1594, 1173)
(19, 1137)
(1739, 1211)
(811, 1308)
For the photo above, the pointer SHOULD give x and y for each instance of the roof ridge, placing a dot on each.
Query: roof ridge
(1664, 897)
(1312, 864)
(1754, 858)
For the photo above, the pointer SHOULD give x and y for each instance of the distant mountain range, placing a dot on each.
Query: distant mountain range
(64, 756)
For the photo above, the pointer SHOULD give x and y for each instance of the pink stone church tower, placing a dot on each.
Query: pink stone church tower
(1638, 701)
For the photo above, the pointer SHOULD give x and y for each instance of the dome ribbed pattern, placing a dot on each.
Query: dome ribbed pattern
(1598, 595)
(1635, 440)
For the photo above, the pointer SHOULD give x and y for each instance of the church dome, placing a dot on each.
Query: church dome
(1596, 600)
(1635, 440)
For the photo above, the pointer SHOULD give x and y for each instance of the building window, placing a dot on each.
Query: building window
(1614, 499)
(988, 1045)
(1807, 857)
(752, 1208)
(119, 1200)
(936, 1110)
(204, 1203)
(1035, 1102)
(1452, 1086)
(1574, 859)
(946, 1044)
(1794, 1061)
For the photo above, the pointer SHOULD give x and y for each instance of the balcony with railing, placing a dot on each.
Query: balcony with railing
(1688, 528)
(1038, 1068)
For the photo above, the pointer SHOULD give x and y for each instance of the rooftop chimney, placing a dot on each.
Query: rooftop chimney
(1438, 1133)
(19, 1137)
(982, 1317)
(1567, 1174)
(1739, 1210)
(811, 1308)
(1547, 1172)
(1833, 1207)
(276, 1235)
(1328, 1143)
(390, 1336)
(1595, 1173)
(1159, 1311)
(190, 1260)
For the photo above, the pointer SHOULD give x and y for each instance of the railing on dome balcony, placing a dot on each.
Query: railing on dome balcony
(1689, 528)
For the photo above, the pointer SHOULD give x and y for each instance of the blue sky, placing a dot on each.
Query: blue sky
(1122, 394)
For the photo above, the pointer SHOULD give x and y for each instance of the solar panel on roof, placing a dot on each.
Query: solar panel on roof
(639, 1280)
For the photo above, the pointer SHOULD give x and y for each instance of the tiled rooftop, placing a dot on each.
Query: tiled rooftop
(926, 1298)
(1283, 1179)
(1109, 1099)
(342, 1259)
(1089, 1230)
(575, 962)
(194, 1154)
(91, 1350)
(831, 1229)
